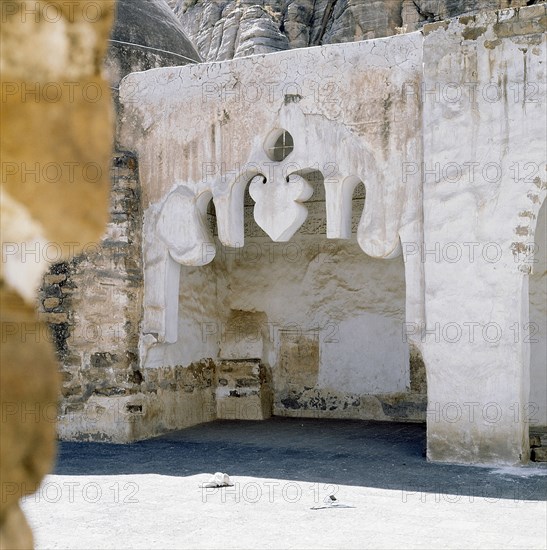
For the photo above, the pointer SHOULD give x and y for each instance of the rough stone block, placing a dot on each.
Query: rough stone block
(243, 391)
(69, 390)
(528, 27)
(299, 359)
(103, 360)
(504, 30)
(532, 12)
(243, 407)
(54, 279)
(243, 336)
(66, 376)
(54, 318)
(539, 454)
(51, 303)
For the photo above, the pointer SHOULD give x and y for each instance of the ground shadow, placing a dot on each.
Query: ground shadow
(343, 452)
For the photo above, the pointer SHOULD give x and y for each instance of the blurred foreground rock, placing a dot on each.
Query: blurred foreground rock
(56, 141)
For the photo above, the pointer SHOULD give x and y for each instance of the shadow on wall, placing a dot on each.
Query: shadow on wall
(537, 330)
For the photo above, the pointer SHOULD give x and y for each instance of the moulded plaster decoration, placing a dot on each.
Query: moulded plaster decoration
(279, 210)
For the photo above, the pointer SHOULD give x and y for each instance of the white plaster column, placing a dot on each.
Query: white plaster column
(480, 207)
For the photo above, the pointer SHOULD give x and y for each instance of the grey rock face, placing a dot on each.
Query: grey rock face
(223, 29)
(418, 12)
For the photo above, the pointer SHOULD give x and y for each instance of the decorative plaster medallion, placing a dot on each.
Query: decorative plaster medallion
(278, 209)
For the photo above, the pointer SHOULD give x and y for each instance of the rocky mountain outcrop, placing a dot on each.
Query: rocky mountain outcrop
(223, 29)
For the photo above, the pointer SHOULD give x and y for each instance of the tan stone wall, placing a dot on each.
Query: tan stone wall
(93, 306)
(164, 399)
(93, 303)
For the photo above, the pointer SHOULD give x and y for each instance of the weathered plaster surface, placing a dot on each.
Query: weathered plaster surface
(333, 135)
(367, 112)
(94, 304)
(223, 134)
(478, 383)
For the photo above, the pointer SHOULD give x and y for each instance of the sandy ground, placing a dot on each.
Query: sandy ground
(397, 500)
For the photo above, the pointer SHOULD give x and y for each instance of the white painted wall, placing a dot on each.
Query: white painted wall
(484, 152)
(400, 115)
(369, 357)
(354, 302)
(199, 316)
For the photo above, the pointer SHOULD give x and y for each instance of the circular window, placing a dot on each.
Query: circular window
(281, 146)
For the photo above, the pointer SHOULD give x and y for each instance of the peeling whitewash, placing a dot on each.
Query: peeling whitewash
(445, 129)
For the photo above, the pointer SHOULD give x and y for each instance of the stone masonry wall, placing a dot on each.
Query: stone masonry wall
(93, 303)
(93, 306)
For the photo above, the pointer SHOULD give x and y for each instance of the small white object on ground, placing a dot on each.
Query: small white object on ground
(218, 480)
